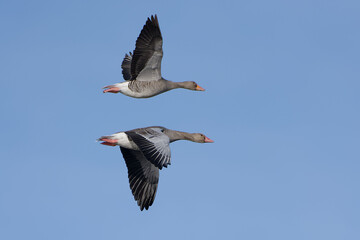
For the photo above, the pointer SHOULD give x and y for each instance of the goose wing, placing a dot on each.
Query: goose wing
(148, 53)
(126, 66)
(143, 177)
(154, 144)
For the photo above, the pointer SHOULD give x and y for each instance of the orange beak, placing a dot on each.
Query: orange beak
(208, 140)
(198, 88)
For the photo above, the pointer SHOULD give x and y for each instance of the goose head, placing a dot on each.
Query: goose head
(191, 85)
(200, 138)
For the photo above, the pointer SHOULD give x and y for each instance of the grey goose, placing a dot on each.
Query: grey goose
(146, 150)
(142, 69)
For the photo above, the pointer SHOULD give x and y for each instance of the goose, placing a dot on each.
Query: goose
(142, 68)
(146, 150)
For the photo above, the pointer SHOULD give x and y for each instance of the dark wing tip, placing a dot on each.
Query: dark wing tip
(153, 22)
(126, 66)
(143, 207)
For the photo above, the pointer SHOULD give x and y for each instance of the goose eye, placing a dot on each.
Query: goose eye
(162, 130)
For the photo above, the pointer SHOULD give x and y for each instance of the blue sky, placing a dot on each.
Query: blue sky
(281, 102)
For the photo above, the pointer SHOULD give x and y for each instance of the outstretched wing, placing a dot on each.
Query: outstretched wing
(154, 144)
(143, 177)
(126, 66)
(146, 62)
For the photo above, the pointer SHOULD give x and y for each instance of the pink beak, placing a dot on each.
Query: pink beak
(208, 140)
(108, 142)
(111, 89)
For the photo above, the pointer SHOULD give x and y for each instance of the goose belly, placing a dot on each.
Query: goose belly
(142, 89)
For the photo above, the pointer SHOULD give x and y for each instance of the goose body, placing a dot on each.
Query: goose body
(140, 89)
(142, 69)
(146, 150)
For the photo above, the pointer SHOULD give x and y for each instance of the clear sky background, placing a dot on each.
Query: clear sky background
(282, 103)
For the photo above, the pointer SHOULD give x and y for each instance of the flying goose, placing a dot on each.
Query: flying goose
(142, 69)
(146, 150)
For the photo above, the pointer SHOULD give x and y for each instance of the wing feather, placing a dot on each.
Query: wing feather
(146, 61)
(126, 66)
(143, 177)
(154, 144)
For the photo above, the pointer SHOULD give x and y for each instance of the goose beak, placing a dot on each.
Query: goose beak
(108, 142)
(198, 88)
(111, 88)
(208, 140)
